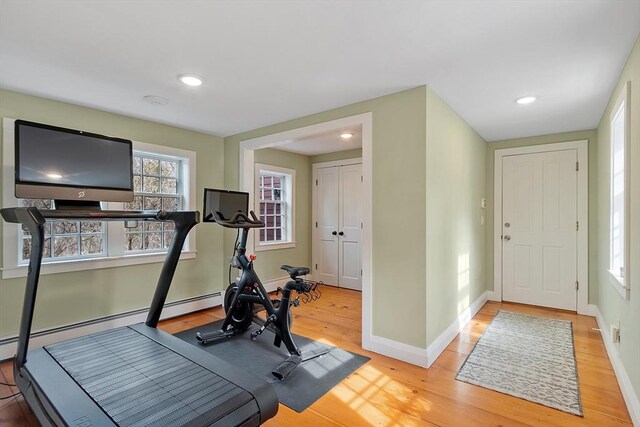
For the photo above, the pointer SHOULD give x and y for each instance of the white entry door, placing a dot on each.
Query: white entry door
(539, 230)
(337, 251)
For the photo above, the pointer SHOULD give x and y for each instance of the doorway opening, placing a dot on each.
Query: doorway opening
(361, 124)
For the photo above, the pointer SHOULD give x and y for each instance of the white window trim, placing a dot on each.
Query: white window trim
(114, 234)
(291, 201)
(621, 284)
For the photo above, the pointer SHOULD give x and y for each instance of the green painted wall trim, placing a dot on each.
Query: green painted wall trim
(68, 298)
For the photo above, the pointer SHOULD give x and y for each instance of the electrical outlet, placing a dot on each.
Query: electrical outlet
(615, 332)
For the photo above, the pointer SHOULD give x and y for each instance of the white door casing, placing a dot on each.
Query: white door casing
(540, 229)
(581, 236)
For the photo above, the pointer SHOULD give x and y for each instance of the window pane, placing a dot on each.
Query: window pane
(150, 184)
(137, 183)
(151, 166)
(278, 234)
(37, 203)
(170, 203)
(262, 234)
(26, 248)
(168, 225)
(137, 165)
(153, 241)
(169, 168)
(91, 244)
(136, 205)
(277, 182)
(152, 203)
(65, 227)
(65, 246)
(90, 227)
(168, 238)
(152, 226)
(133, 241)
(169, 186)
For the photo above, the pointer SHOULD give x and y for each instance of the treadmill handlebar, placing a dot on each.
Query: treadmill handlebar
(34, 220)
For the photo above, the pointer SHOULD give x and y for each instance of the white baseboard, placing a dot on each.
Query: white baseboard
(397, 350)
(440, 343)
(425, 357)
(628, 393)
(592, 310)
(41, 338)
(492, 296)
(272, 285)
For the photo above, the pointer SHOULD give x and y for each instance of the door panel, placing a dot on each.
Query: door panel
(327, 218)
(539, 229)
(350, 214)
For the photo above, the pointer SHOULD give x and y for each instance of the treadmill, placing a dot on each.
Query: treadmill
(134, 375)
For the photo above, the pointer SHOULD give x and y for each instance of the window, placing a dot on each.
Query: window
(164, 178)
(619, 225)
(64, 239)
(274, 197)
(157, 185)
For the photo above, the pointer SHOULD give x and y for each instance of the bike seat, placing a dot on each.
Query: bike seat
(295, 271)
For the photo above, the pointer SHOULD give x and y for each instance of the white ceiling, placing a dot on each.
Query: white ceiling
(270, 61)
(327, 142)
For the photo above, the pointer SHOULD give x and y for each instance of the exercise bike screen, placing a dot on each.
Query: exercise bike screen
(224, 201)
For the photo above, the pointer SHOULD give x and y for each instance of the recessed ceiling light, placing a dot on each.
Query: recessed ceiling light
(156, 100)
(526, 100)
(346, 135)
(190, 79)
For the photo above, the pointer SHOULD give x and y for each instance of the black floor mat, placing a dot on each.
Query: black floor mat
(306, 384)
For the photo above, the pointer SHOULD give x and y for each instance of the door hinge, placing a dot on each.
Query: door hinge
(361, 272)
(361, 178)
(361, 225)
(577, 225)
(316, 266)
(577, 285)
(316, 182)
(577, 166)
(316, 224)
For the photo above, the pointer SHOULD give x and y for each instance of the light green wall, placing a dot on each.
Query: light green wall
(611, 304)
(398, 157)
(589, 135)
(269, 262)
(455, 238)
(338, 155)
(72, 297)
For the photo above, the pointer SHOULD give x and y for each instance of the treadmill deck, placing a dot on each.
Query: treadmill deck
(139, 382)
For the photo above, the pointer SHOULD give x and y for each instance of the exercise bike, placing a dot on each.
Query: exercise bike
(241, 296)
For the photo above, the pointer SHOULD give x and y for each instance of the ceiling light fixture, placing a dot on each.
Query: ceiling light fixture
(346, 135)
(525, 100)
(155, 100)
(190, 79)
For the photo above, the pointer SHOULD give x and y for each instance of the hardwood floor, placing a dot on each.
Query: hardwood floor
(386, 392)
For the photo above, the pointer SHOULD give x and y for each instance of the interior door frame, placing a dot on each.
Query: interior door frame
(314, 199)
(246, 180)
(582, 254)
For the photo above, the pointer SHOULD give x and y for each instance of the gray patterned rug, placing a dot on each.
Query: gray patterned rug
(528, 357)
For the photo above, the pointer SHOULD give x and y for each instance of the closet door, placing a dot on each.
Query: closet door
(338, 228)
(350, 227)
(326, 245)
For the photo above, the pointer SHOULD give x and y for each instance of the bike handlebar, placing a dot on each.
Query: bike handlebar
(238, 220)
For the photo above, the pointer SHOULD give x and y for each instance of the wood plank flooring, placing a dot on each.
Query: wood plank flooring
(386, 392)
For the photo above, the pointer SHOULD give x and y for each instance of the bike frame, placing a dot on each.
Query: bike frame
(250, 289)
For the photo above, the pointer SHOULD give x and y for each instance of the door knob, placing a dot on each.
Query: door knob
(341, 233)
(507, 237)
(334, 233)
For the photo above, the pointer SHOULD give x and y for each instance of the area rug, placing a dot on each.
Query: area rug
(532, 358)
(306, 384)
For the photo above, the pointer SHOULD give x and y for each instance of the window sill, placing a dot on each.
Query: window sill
(618, 283)
(93, 264)
(273, 246)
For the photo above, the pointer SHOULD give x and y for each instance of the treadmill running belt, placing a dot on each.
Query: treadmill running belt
(138, 382)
